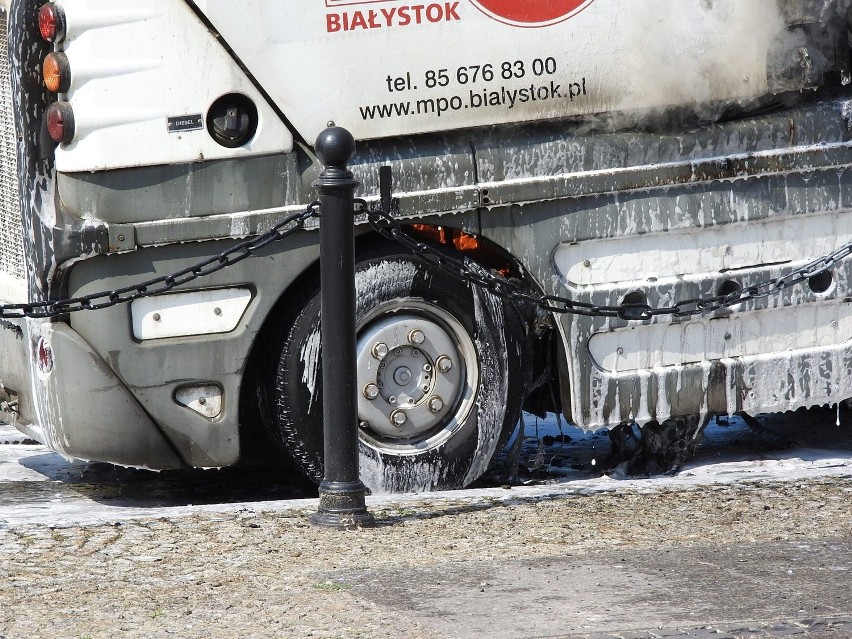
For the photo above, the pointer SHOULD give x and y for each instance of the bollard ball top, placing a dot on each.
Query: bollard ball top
(335, 146)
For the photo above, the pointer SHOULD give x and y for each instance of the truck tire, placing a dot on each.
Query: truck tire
(440, 378)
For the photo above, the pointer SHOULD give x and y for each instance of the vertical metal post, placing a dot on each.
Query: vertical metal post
(342, 495)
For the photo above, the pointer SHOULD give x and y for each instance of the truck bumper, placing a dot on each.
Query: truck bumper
(60, 392)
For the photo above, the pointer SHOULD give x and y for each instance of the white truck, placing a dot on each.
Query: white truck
(640, 152)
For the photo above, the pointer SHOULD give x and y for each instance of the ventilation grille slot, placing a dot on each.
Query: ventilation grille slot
(11, 236)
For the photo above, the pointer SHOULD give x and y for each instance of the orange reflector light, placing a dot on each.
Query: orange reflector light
(51, 24)
(60, 122)
(57, 73)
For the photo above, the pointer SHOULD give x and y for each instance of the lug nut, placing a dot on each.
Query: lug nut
(444, 364)
(398, 417)
(436, 404)
(416, 336)
(371, 391)
(380, 350)
(427, 368)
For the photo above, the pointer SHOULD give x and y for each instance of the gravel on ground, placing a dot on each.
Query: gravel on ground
(274, 575)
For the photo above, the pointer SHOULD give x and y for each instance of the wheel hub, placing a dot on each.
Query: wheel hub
(401, 378)
(405, 393)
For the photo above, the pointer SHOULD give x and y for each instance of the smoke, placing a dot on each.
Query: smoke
(696, 52)
(698, 59)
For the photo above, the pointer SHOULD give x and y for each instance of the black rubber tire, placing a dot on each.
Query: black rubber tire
(294, 391)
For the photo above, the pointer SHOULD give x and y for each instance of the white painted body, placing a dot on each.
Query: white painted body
(133, 68)
(697, 254)
(612, 56)
(136, 66)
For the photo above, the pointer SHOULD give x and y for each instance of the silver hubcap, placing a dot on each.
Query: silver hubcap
(419, 376)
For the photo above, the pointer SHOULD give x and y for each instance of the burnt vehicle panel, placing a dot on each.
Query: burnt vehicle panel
(607, 154)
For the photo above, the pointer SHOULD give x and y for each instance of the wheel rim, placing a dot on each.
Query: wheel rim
(417, 376)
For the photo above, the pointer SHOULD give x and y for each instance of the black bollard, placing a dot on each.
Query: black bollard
(342, 495)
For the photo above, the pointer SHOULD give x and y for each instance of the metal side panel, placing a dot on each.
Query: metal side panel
(84, 411)
(16, 405)
(189, 190)
(789, 202)
(549, 161)
(235, 198)
(156, 370)
(790, 350)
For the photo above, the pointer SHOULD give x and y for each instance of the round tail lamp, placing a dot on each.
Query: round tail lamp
(51, 22)
(60, 122)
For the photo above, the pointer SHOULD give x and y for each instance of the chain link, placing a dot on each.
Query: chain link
(464, 269)
(105, 299)
(516, 290)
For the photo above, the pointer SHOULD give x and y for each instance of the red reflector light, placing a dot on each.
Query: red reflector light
(51, 23)
(44, 357)
(60, 122)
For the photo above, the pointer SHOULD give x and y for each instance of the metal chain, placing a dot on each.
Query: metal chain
(158, 285)
(464, 269)
(515, 290)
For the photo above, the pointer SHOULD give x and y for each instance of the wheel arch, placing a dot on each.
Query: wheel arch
(283, 312)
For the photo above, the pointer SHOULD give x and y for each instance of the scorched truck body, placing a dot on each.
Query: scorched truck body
(631, 151)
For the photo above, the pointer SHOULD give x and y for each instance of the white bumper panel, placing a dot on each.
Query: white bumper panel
(701, 252)
(205, 312)
(793, 331)
(84, 411)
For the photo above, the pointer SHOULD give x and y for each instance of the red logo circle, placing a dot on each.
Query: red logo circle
(531, 13)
